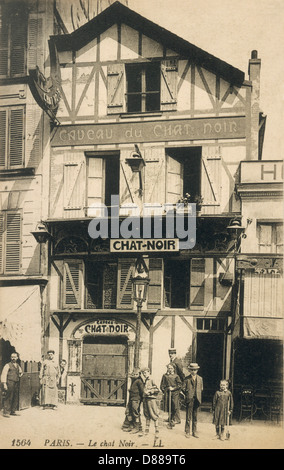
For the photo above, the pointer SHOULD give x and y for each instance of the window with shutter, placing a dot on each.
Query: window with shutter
(72, 283)
(126, 270)
(143, 87)
(197, 283)
(270, 237)
(74, 188)
(10, 242)
(155, 285)
(211, 177)
(176, 284)
(13, 40)
(12, 137)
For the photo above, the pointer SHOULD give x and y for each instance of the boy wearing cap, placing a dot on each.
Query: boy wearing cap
(192, 388)
(176, 362)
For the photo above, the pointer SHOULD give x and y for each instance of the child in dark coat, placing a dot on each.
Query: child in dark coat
(170, 386)
(222, 409)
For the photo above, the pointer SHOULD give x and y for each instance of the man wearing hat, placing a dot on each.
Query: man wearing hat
(176, 362)
(192, 388)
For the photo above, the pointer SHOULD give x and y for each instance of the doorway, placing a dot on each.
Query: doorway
(104, 370)
(210, 348)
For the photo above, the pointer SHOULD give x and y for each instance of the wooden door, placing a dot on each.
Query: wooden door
(29, 384)
(104, 371)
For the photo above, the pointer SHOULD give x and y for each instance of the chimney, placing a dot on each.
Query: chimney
(254, 77)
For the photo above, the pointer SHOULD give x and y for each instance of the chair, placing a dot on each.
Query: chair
(247, 403)
(276, 405)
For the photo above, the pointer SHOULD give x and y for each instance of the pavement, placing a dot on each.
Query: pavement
(99, 428)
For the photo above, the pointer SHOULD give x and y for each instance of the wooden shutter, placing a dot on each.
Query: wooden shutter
(72, 283)
(3, 136)
(109, 285)
(115, 88)
(18, 44)
(74, 189)
(169, 71)
(4, 43)
(155, 286)
(279, 238)
(95, 184)
(265, 238)
(33, 141)
(174, 180)
(35, 42)
(16, 138)
(13, 242)
(197, 283)
(211, 179)
(1, 241)
(124, 285)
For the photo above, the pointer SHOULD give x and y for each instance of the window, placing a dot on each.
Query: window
(103, 180)
(10, 242)
(11, 137)
(176, 284)
(270, 237)
(183, 173)
(143, 87)
(13, 40)
(101, 280)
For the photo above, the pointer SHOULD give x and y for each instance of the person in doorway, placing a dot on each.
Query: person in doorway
(192, 389)
(49, 378)
(62, 385)
(222, 409)
(177, 363)
(150, 407)
(10, 379)
(170, 386)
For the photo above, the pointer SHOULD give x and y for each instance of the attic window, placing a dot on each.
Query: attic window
(143, 87)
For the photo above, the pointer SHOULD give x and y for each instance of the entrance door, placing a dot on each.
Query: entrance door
(210, 359)
(104, 371)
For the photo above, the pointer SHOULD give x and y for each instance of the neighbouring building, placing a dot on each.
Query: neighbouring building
(121, 89)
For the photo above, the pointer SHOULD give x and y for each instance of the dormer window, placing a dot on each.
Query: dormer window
(143, 87)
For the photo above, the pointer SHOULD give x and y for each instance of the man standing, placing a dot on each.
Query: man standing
(10, 379)
(177, 363)
(192, 388)
(49, 377)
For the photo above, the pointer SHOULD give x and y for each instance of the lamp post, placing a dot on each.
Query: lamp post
(140, 282)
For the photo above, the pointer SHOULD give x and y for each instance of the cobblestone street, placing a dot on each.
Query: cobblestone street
(95, 427)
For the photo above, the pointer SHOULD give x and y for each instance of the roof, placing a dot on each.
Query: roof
(119, 13)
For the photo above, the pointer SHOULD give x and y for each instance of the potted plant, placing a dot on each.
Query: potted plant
(198, 200)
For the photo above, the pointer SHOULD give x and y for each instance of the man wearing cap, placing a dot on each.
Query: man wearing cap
(176, 362)
(192, 388)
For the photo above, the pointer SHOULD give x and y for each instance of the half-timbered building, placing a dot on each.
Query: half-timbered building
(131, 90)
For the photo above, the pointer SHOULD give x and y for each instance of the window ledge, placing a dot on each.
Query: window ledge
(142, 114)
(17, 172)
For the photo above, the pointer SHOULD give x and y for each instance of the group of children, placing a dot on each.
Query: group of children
(144, 391)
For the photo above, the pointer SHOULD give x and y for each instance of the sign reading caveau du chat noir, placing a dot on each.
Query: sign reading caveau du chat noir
(150, 131)
(109, 327)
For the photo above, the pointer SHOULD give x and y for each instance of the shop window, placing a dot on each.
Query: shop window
(183, 174)
(11, 137)
(101, 280)
(270, 237)
(13, 40)
(10, 242)
(103, 180)
(142, 87)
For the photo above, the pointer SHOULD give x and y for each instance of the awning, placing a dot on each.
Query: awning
(20, 320)
(263, 328)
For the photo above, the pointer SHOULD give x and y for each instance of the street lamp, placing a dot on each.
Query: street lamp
(140, 282)
(41, 233)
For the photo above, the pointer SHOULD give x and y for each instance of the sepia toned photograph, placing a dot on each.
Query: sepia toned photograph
(141, 227)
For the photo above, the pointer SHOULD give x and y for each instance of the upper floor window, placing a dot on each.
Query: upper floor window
(270, 237)
(10, 242)
(142, 87)
(11, 137)
(13, 40)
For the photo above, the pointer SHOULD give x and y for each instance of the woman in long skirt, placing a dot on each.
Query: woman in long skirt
(222, 408)
(49, 377)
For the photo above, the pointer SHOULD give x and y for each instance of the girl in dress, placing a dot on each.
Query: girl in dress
(222, 409)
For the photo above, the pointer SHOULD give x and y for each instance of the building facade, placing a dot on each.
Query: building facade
(124, 90)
